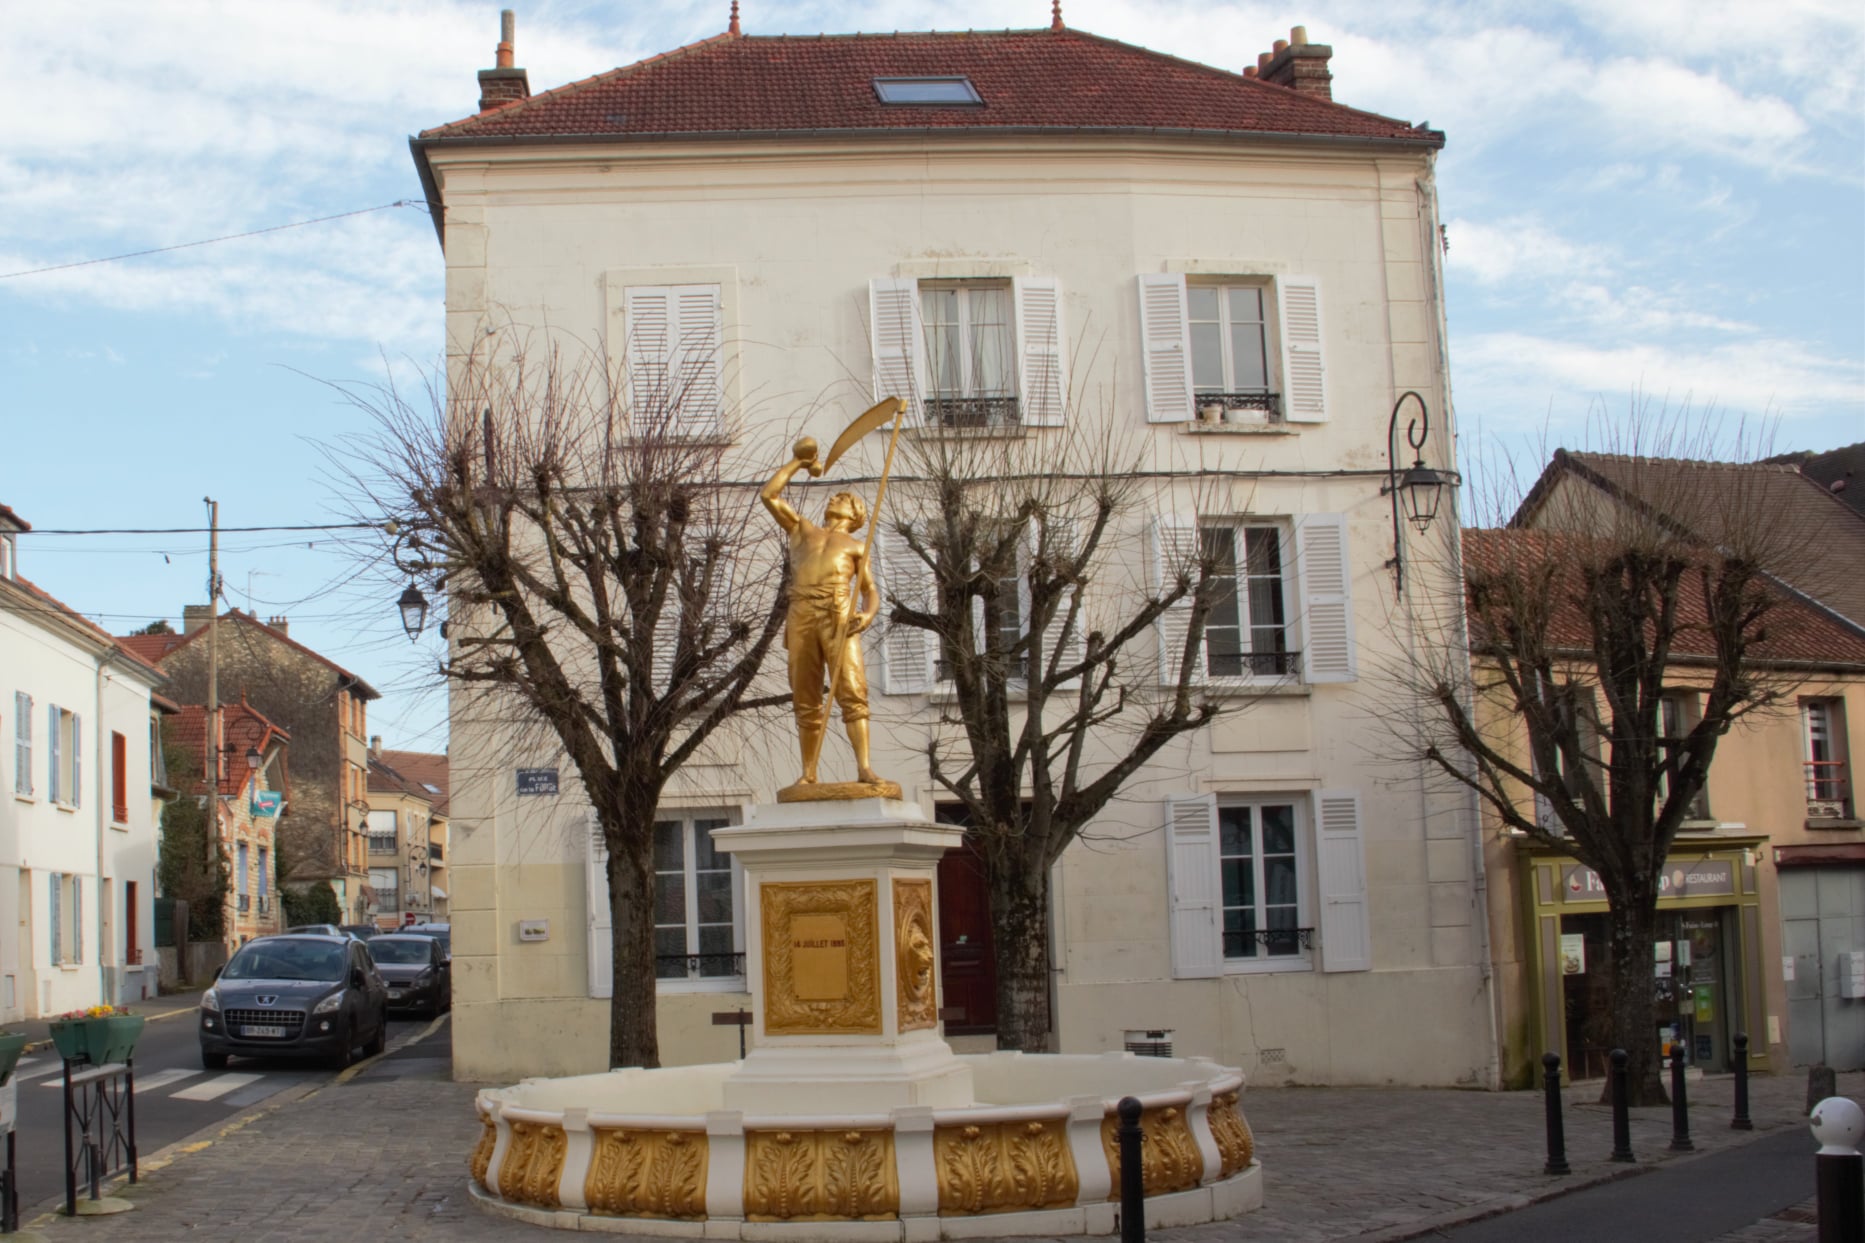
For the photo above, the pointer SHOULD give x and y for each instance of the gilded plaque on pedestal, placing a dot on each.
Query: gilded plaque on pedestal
(915, 963)
(822, 958)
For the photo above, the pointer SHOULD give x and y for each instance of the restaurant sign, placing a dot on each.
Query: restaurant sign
(1695, 878)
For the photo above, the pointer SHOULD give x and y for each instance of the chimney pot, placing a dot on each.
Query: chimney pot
(1279, 46)
(1262, 61)
(375, 744)
(503, 84)
(1298, 35)
(1249, 71)
(281, 624)
(1299, 65)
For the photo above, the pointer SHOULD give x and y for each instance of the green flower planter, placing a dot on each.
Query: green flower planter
(10, 1049)
(98, 1040)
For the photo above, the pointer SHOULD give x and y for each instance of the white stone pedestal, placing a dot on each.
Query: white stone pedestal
(841, 951)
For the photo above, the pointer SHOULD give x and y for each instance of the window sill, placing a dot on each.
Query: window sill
(999, 431)
(23, 798)
(72, 967)
(121, 826)
(1198, 427)
(1283, 966)
(68, 807)
(728, 984)
(1262, 689)
(1835, 822)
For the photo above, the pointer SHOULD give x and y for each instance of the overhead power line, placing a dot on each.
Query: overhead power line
(308, 526)
(231, 237)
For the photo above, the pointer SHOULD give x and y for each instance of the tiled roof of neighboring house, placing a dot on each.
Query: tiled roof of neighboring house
(158, 647)
(1796, 633)
(427, 770)
(9, 514)
(385, 779)
(76, 619)
(1058, 80)
(242, 727)
(1825, 538)
(1840, 471)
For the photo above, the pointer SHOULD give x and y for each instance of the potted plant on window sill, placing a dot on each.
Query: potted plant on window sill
(98, 1035)
(12, 1044)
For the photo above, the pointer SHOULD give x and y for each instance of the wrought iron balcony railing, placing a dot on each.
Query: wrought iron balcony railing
(973, 412)
(699, 966)
(1275, 940)
(1829, 790)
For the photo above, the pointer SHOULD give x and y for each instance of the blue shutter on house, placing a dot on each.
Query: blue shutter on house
(58, 924)
(51, 735)
(77, 760)
(77, 919)
(22, 743)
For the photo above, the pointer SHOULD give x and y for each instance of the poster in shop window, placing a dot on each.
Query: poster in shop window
(1573, 953)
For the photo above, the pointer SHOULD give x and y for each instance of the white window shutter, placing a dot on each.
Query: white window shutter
(58, 921)
(1192, 874)
(647, 321)
(51, 737)
(1173, 550)
(601, 964)
(699, 333)
(907, 652)
(1340, 852)
(899, 341)
(77, 761)
(1063, 535)
(1327, 598)
(22, 743)
(1165, 348)
(1304, 374)
(666, 641)
(1041, 375)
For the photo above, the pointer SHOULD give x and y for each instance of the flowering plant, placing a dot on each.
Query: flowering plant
(92, 1012)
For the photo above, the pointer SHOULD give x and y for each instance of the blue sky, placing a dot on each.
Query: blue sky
(1666, 197)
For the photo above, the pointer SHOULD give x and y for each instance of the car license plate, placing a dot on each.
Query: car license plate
(276, 1033)
(396, 994)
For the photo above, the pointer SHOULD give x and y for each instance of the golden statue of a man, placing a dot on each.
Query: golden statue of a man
(833, 599)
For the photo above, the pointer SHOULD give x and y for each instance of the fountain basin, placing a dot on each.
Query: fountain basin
(656, 1152)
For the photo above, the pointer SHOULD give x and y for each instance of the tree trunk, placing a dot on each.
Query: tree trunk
(1632, 929)
(634, 1038)
(1020, 927)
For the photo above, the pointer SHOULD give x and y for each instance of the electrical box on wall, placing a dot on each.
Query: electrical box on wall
(1852, 974)
(534, 930)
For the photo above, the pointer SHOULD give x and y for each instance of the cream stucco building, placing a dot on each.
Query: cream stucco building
(1233, 274)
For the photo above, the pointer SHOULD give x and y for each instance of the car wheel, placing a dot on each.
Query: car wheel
(213, 1061)
(345, 1050)
(380, 1040)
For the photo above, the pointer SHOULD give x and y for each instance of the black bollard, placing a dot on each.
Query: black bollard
(1557, 1137)
(1839, 1171)
(1680, 1107)
(1621, 1116)
(1741, 1121)
(1132, 1174)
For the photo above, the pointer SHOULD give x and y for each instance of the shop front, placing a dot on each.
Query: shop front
(1705, 968)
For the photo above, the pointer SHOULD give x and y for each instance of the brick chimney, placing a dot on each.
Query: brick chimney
(1297, 64)
(281, 623)
(503, 84)
(194, 616)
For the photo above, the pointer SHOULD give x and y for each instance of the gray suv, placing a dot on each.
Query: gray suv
(295, 996)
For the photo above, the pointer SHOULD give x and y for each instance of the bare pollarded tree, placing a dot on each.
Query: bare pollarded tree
(594, 557)
(1622, 618)
(1064, 638)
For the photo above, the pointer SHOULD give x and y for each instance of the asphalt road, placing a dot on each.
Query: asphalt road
(175, 1098)
(1684, 1202)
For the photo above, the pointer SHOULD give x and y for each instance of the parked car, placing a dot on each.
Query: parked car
(321, 930)
(295, 996)
(416, 968)
(440, 932)
(362, 932)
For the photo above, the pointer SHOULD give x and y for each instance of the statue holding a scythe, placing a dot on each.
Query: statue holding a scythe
(833, 599)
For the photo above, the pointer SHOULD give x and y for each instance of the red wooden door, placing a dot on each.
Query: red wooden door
(967, 967)
(132, 949)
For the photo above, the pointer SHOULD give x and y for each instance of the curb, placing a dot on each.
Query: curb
(47, 1211)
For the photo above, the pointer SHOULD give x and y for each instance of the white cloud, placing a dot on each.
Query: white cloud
(1517, 249)
(1658, 103)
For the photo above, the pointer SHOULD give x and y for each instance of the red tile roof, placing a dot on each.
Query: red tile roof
(72, 617)
(156, 647)
(1061, 80)
(242, 726)
(427, 770)
(1794, 632)
(8, 514)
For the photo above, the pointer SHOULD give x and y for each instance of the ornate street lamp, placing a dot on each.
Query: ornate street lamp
(413, 606)
(1419, 489)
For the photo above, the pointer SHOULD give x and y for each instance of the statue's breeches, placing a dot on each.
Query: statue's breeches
(809, 636)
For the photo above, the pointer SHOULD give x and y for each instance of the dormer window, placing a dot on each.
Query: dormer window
(952, 92)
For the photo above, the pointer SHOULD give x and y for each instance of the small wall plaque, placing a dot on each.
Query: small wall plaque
(532, 781)
(534, 930)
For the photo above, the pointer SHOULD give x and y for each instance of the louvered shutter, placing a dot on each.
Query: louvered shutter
(1192, 874)
(1173, 550)
(1327, 595)
(601, 962)
(907, 652)
(647, 321)
(77, 761)
(1063, 535)
(1340, 852)
(1304, 375)
(22, 743)
(58, 921)
(1165, 348)
(666, 641)
(899, 342)
(51, 735)
(1042, 376)
(699, 333)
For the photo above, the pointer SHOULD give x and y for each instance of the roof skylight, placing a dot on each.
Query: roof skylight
(949, 92)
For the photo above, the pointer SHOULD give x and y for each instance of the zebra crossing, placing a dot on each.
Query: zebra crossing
(231, 1088)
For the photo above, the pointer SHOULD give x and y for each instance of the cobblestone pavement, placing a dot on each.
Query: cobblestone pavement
(383, 1157)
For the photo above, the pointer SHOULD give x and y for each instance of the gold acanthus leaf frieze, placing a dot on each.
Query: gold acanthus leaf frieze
(1169, 1156)
(648, 1173)
(482, 1151)
(851, 905)
(915, 961)
(1235, 1144)
(821, 1176)
(1004, 1167)
(533, 1164)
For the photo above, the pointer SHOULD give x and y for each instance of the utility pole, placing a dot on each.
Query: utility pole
(211, 751)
